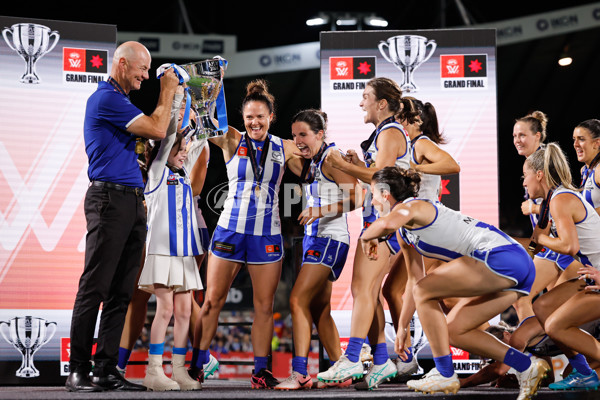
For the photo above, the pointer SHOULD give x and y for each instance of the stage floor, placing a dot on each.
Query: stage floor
(237, 389)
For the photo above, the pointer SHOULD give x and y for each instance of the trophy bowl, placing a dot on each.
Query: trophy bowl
(407, 53)
(205, 84)
(31, 42)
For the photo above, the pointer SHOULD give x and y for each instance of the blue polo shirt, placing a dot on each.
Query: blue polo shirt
(109, 147)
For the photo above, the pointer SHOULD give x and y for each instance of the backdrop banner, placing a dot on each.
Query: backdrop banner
(49, 69)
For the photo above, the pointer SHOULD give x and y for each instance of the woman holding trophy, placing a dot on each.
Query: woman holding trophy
(249, 228)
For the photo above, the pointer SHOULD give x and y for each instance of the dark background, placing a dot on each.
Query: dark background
(528, 76)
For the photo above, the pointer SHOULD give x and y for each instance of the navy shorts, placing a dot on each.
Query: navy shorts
(204, 238)
(511, 261)
(391, 240)
(244, 248)
(327, 252)
(562, 261)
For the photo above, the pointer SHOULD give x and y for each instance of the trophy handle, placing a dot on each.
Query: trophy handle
(433, 47)
(384, 53)
(2, 323)
(4, 32)
(56, 37)
(48, 337)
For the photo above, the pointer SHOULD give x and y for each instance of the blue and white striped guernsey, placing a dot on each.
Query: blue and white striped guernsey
(587, 230)
(452, 235)
(321, 192)
(430, 184)
(172, 222)
(591, 190)
(370, 156)
(244, 211)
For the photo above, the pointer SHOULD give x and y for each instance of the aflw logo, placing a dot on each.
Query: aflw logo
(351, 68)
(74, 60)
(341, 68)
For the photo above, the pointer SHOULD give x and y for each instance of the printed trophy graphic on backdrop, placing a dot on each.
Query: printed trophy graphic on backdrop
(407, 52)
(205, 85)
(31, 42)
(27, 334)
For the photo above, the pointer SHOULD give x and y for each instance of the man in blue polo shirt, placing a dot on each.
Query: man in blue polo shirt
(114, 211)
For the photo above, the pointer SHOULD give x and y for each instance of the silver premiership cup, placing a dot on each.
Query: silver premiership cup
(31, 42)
(27, 334)
(206, 80)
(407, 52)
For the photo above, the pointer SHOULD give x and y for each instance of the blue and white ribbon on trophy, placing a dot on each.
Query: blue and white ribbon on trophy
(183, 78)
(220, 102)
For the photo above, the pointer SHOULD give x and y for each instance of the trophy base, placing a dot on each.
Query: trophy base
(27, 372)
(30, 79)
(409, 88)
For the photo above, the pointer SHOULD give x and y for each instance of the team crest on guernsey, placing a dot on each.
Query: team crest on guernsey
(277, 157)
(172, 180)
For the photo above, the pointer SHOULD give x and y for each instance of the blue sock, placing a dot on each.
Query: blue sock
(380, 354)
(260, 363)
(157, 348)
(124, 355)
(581, 365)
(180, 350)
(203, 357)
(517, 360)
(194, 360)
(300, 365)
(354, 348)
(444, 365)
(410, 355)
(331, 362)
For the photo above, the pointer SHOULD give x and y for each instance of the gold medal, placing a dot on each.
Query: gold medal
(257, 190)
(372, 165)
(298, 190)
(139, 146)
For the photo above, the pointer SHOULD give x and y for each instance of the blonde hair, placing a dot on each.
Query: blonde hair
(552, 161)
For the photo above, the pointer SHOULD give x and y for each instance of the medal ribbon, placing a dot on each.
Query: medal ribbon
(307, 164)
(258, 169)
(588, 170)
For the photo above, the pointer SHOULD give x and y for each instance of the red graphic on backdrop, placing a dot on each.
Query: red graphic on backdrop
(475, 65)
(364, 68)
(96, 61)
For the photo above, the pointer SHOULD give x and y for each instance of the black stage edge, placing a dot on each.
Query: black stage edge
(237, 389)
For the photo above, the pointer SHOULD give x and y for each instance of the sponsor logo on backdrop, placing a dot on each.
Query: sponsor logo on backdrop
(350, 73)
(84, 66)
(463, 71)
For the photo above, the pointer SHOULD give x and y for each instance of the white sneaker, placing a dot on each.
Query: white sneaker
(211, 366)
(295, 381)
(342, 370)
(531, 378)
(407, 368)
(433, 382)
(380, 373)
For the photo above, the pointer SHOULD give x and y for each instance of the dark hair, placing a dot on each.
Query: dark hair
(538, 121)
(258, 90)
(414, 110)
(593, 126)
(316, 120)
(387, 89)
(401, 183)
